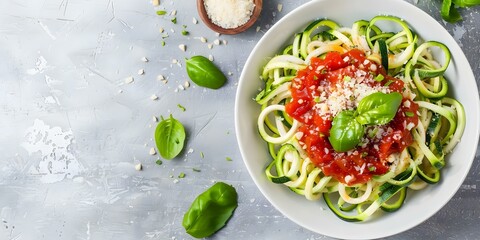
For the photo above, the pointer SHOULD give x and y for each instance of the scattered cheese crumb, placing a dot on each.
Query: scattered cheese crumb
(144, 59)
(174, 61)
(155, 119)
(129, 80)
(258, 29)
(141, 71)
(120, 91)
(230, 73)
(202, 39)
(186, 84)
(152, 151)
(210, 46)
(155, 2)
(138, 167)
(160, 77)
(279, 7)
(190, 150)
(216, 42)
(194, 20)
(182, 47)
(154, 97)
(210, 57)
(175, 180)
(173, 13)
(181, 87)
(224, 42)
(161, 30)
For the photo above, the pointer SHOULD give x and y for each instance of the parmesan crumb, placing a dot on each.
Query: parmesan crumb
(182, 47)
(155, 2)
(160, 77)
(258, 29)
(299, 135)
(210, 57)
(144, 59)
(138, 167)
(173, 13)
(152, 151)
(203, 40)
(210, 46)
(141, 71)
(155, 119)
(174, 61)
(129, 80)
(216, 42)
(224, 42)
(279, 7)
(154, 97)
(186, 84)
(194, 20)
(161, 30)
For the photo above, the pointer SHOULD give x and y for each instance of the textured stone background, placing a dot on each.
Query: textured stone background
(73, 130)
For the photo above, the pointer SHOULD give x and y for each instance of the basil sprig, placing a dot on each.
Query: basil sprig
(378, 108)
(449, 10)
(204, 73)
(210, 211)
(346, 132)
(348, 126)
(169, 137)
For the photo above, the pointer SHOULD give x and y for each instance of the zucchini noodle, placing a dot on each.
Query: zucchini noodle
(420, 65)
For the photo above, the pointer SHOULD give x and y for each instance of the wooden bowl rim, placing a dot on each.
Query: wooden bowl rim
(230, 31)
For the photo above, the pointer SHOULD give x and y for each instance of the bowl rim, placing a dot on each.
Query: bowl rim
(459, 57)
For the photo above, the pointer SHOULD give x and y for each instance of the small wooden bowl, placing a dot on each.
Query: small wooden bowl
(204, 16)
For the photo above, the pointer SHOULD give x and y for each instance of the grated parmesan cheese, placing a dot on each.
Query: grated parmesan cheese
(229, 13)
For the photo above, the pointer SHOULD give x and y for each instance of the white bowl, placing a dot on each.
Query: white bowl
(315, 215)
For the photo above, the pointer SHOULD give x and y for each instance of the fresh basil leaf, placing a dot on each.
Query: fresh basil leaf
(449, 13)
(210, 211)
(466, 3)
(346, 133)
(378, 108)
(169, 137)
(204, 73)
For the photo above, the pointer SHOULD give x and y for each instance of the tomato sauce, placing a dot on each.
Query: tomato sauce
(330, 78)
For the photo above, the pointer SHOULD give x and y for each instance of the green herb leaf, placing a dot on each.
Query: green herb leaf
(409, 114)
(174, 20)
(185, 32)
(449, 13)
(378, 108)
(181, 107)
(379, 78)
(388, 83)
(196, 170)
(159, 162)
(169, 137)
(204, 73)
(346, 132)
(161, 12)
(210, 211)
(228, 159)
(181, 175)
